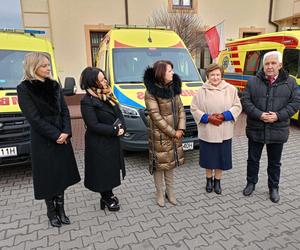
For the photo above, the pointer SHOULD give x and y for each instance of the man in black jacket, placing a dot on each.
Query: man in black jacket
(269, 100)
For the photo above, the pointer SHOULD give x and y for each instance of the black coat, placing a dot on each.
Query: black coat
(103, 155)
(54, 166)
(281, 97)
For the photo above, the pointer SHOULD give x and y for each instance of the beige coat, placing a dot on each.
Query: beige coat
(161, 130)
(210, 99)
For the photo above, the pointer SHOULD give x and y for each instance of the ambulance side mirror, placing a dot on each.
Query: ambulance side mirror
(202, 74)
(70, 86)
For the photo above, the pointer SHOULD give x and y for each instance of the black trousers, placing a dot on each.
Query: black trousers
(274, 151)
(106, 194)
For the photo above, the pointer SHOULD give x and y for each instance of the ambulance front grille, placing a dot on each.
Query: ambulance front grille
(13, 128)
(191, 127)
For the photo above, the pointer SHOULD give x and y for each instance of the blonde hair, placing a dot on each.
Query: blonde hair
(32, 62)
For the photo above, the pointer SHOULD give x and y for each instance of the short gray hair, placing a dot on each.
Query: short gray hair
(273, 53)
(32, 62)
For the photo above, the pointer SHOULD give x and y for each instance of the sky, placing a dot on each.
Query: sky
(10, 14)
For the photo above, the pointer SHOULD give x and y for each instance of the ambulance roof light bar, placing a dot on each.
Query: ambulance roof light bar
(124, 26)
(24, 31)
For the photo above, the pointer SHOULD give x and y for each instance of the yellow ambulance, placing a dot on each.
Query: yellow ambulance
(14, 129)
(124, 54)
(242, 58)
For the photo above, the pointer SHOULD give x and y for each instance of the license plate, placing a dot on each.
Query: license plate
(7, 152)
(188, 146)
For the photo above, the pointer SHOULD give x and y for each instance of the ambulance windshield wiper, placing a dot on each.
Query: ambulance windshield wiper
(131, 82)
(7, 88)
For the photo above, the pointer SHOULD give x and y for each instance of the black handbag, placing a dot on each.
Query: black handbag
(118, 123)
(152, 167)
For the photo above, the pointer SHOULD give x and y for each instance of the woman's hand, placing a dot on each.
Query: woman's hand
(121, 131)
(213, 119)
(178, 134)
(62, 138)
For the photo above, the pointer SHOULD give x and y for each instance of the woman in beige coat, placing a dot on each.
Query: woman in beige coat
(166, 126)
(215, 108)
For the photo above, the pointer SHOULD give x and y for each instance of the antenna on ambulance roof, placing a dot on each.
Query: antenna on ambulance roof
(149, 37)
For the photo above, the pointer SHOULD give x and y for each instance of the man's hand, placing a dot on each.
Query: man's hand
(264, 117)
(62, 138)
(269, 117)
(272, 117)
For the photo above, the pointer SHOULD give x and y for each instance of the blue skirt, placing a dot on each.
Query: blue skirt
(215, 155)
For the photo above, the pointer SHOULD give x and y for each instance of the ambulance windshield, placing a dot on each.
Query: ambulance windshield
(130, 63)
(11, 68)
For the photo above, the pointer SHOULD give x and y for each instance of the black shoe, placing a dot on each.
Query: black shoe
(60, 211)
(110, 203)
(217, 186)
(274, 195)
(248, 190)
(209, 184)
(115, 198)
(51, 213)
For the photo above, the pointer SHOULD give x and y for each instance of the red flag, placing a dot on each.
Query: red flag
(215, 39)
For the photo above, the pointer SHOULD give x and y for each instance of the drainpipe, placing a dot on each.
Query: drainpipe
(270, 16)
(126, 12)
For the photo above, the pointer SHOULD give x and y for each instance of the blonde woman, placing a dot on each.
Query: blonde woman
(215, 109)
(53, 162)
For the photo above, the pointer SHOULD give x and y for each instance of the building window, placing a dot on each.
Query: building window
(251, 31)
(247, 34)
(189, 6)
(182, 3)
(95, 39)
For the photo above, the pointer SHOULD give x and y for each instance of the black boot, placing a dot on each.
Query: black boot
(209, 184)
(60, 209)
(51, 213)
(274, 195)
(217, 186)
(248, 190)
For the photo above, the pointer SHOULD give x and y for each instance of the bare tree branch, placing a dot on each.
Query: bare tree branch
(188, 26)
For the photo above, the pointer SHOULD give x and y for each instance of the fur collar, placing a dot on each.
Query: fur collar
(48, 87)
(46, 92)
(159, 90)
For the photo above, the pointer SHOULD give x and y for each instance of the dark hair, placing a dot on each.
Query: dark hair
(89, 77)
(160, 68)
(213, 67)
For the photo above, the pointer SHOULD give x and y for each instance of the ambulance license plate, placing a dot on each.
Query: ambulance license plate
(188, 146)
(8, 152)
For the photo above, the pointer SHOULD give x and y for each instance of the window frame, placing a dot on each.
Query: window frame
(181, 5)
(93, 28)
(193, 8)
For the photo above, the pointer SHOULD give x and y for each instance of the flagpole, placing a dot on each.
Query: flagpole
(215, 25)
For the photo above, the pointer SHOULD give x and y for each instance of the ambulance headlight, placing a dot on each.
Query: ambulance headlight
(129, 112)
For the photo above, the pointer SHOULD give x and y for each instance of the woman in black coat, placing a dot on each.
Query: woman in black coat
(53, 162)
(104, 126)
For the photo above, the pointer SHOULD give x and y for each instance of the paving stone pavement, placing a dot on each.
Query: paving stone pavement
(199, 221)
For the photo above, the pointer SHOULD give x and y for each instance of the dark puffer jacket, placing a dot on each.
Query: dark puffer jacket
(281, 97)
(165, 107)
